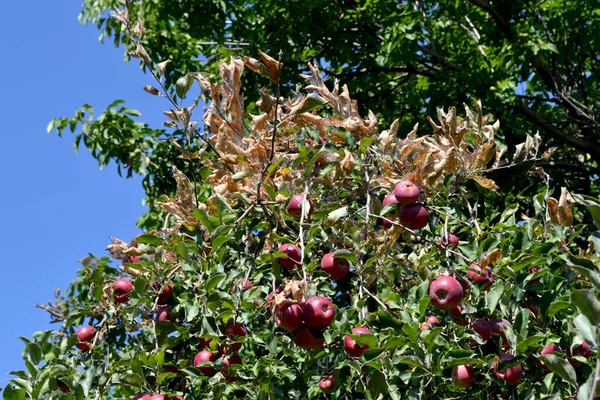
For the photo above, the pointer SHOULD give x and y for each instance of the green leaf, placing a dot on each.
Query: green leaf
(12, 392)
(560, 367)
(311, 163)
(377, 385)
(345, 254)
(586, 268)
(588, 304)
(311, 102)
(148, 239)
(585, 328)
(335, 215)
(494, 296)
(593, 206)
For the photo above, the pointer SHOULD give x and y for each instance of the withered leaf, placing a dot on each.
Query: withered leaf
(485, 182)
(273, 66)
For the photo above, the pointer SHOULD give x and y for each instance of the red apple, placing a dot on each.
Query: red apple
(158, 397)
(232, 331)
(533, 270)
(318, 312)
(244, 285)
(166, 294)
(144, 396)
(481, 276)
(294, 207)
(63, 387)
(289, 317)
(414, 216)
(337, 268)
(305, 339)
(458, 317)
(451, 242)
(83, 346)
(445, 292)
(353, 348)
(463, 376)
(229, 361)
(583, 350)
(495, 324)
(205, 356)
(533, 308)
(327, 384)
(163, 314)
(121, 288)
(406, 192)
(483, 328)
(511, 375)
(292, 258)
(387, 200)
(549, 349)
(204, 343)
(86, 333)
(431, 322)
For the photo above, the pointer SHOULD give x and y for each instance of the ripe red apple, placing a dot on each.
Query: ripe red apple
(205, 356)
(533, 308)
(414, 216)
(305, 339)
(229, 361)
(327, 384)
(445, 292)
(495, 324)
(158, 397)
(337, 268)
(204, 343)
(483, 328)
(292, 258)
(583, 350)
(451, 242)
(431, 322)
(484, 276)
(406, 192)
(232, 331)
(289, 317)
(144, 396)
(387, 200)
(549, 349)
(166, 294)
(244, 285)
(318, 312)
(121, 288)
(533, 270)
(511, 375)
(294, 207)
(458, 317)
(353, 348)
(84, 346)
(463, 376)
(63, 387)
(86, 333)
(163, 314)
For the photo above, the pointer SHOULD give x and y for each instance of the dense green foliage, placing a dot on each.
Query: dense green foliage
(228, 206)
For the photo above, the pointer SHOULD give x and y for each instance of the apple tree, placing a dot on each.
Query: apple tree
(309, 252)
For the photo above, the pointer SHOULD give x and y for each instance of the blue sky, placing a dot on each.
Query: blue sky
(56, 206)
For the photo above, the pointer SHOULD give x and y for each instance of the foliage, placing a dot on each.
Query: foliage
(534, 63)
(227, 212)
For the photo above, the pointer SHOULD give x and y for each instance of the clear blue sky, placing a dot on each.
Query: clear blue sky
(56, 206)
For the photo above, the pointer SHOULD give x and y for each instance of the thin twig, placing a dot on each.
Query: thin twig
(596, 378)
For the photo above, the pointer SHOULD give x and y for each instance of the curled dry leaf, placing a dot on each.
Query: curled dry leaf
(491, 258)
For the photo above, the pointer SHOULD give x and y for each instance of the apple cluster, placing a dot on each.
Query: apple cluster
(412, 214)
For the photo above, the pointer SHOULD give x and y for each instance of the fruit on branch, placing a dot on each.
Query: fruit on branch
(204, 343)
(387, 200)
(511, 375)
(163, 314)
(414, 216)
(533, 308)
(484, 277)
(144, 396)
(327, 384)
(533, 281)
(205, 356)
(158, 397)
(318, 312)
(458, 317)
(496, 325)
(463, 376)
(166, 294)
(63, 387)
(305, 339)
(353, 348)
(584, 350)
(483, 328)
(431, 322)
(228, 361)
(336, 267)
(289, 317)
(86, 333)
(244, 285)
(445, 292)
(294, 207)
(121, 289)
(551, 348)
(232, 331)
(292, 258)
(450, 242)
(406, 192)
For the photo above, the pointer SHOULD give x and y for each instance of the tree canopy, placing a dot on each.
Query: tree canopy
(302, 246)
